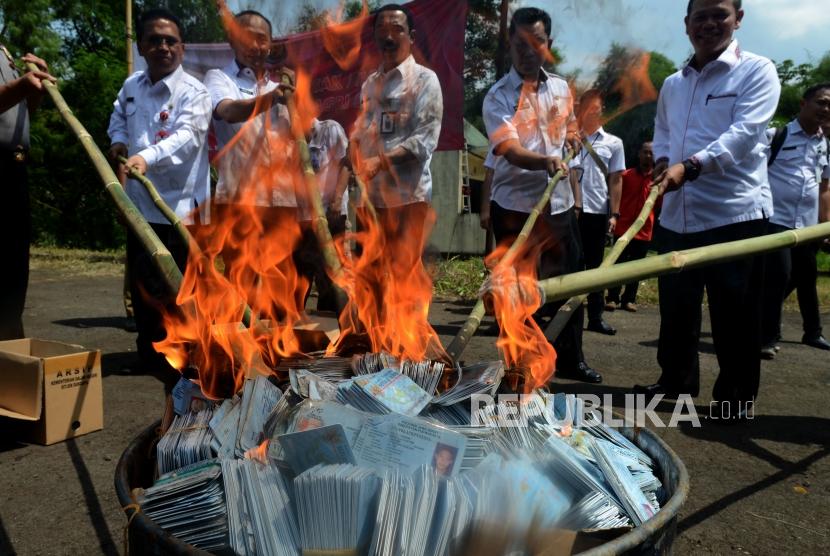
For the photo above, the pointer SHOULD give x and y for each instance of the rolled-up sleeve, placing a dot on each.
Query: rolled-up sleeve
(617, 162)
(428, 112)
(117, 130)
(754, 108)
(187, 136)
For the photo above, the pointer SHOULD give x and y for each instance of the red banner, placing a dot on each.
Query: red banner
(339, 59)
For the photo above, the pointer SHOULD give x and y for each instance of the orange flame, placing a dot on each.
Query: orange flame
(342, 39)
(245, 257)
(515, 297)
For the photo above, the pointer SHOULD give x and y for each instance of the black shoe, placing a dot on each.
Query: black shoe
(817, 342)
(582, 373)
(602, 327)
(768, 352)
(652, 390)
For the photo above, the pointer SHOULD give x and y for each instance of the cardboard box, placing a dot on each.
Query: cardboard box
(52, 391)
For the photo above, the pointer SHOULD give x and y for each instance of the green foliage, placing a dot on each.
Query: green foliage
(200, 18)
(659, 68)
(794, 80)
(458, 278)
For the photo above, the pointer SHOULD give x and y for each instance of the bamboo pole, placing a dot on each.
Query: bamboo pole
(129, 11)
(469, 328)
(567, 310)
(563, 287)
(159, 254)
(319, 222)
(178, 225)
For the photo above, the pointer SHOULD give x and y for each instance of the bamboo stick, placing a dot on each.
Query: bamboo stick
(320, 223)
(178, 225)
(168, 213)
(159, 254)
(567, 310)
(462, 338)
(563, 287)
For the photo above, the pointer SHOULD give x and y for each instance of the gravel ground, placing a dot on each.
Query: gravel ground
(762, 487)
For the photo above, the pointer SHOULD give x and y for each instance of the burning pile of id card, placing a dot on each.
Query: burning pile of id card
(365, 456)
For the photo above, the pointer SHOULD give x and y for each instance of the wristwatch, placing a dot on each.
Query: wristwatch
(691, 169)
(615, 215)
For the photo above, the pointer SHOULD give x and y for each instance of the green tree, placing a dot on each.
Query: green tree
(200, 18)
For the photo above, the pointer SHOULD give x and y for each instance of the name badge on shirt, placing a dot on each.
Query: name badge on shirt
(387, 122)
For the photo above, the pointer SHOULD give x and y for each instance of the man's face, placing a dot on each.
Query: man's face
(590, 115)
(251, 42)
(710, 26)
(816, 111)
(646, 156)
(393, 37)
(529, 46)
(162, 48)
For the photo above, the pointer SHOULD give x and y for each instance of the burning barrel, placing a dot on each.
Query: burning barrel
(137, 464)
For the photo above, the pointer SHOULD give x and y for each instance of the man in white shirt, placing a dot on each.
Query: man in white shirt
(327, 146)
(256, 194)
(527, 114)
(797, 151)
(710, 148)
(395, 135)
(160, 121)
(600, 194)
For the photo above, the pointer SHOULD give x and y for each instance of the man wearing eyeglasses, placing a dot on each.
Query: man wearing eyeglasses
(159, 123)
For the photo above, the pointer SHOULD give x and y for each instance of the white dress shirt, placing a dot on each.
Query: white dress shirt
(538, 120)
(792, 177)
(594, 187)
(166, 123)
(327, 147)
(400, 108)
(258, 167)
(720, 116)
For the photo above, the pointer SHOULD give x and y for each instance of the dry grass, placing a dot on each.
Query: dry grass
(77, 262)
(454, 278)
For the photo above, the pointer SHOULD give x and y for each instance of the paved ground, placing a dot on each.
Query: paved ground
(758, 488)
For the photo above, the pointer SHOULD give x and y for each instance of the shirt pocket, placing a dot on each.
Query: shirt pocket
(604, 153)
(718, 111)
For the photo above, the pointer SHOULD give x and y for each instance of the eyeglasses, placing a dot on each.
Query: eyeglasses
(155, 41)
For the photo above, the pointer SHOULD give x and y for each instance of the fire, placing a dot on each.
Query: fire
(245, 257)
(260, 453)
(342, 39)
(515, 297)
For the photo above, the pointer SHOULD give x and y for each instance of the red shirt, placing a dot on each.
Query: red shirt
(635, 190)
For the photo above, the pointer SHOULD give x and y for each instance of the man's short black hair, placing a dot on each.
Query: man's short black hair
(736, 3)
(152, 15)
(813, 90)
(244, 14)
(529, 16)
(410, 21)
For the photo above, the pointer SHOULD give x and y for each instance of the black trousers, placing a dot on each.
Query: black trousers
(634, 251)
(308, 257)
(555, 241)
(784, 271)
(593, 229)
(151, 297)
(15, 237)
(734, 293)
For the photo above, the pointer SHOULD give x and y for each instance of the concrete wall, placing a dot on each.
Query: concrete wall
(454, 232)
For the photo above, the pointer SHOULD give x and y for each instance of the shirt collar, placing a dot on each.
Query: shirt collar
(404, 68)
(170, 81)
(515, 80)
(794, 128)
(241, 71)
(731, 57)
